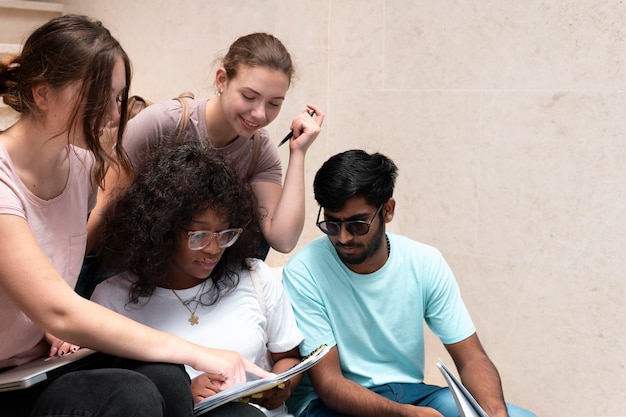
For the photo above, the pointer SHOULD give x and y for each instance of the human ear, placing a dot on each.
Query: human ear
(389, 209)
(41, 95)
(221, 79)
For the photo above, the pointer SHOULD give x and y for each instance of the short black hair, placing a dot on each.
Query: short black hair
(355, 173)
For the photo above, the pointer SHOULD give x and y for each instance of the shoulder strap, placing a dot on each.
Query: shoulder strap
(136, 104)
(184, 118)
(256, 144)
(260, 296)
(258, 289)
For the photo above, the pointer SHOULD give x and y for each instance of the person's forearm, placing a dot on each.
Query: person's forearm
(116, 334)
(91, 325)
(349, 398)
(284, 364)
(281, 366)
(481, 378)
(84, 323)
(287, 221)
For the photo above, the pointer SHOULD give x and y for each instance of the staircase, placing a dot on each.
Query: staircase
(18, 18)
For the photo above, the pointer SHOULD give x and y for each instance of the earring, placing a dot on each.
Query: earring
(219, 93)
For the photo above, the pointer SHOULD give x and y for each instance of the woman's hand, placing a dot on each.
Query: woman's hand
(58, 346)
(202, 387)
(225, 367)
(306, 128)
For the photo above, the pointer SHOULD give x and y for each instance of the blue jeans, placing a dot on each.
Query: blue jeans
(422, 395)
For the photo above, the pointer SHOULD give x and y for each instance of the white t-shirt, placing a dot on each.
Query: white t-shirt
(235, 322)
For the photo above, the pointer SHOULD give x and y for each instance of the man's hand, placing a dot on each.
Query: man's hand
(272, 398)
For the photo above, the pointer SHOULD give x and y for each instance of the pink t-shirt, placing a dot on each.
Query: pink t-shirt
(60, 227)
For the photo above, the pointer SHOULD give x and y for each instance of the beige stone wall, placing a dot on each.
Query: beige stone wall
(507, 120)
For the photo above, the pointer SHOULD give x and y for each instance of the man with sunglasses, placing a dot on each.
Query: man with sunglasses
(367, 293)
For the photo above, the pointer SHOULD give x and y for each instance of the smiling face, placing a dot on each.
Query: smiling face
(253, 98)
(190, 267)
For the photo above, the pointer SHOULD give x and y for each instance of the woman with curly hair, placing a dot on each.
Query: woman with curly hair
(181, 234)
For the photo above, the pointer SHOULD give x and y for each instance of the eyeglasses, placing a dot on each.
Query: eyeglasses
(200, 239)
(354, 227)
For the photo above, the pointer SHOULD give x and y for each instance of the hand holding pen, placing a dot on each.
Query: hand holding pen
(316, 116)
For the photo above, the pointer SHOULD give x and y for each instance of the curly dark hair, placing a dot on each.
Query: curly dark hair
(142, 228)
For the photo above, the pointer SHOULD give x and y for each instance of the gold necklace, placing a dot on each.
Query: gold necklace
(193, 319)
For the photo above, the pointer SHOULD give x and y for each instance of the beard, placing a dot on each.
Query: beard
(367, 249)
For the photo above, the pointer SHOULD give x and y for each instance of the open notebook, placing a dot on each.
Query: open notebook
(243, 390)
(42, 369)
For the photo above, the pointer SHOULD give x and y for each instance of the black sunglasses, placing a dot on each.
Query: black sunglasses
(354, 227)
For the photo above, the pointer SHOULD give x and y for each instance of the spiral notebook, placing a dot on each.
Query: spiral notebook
(42, 369)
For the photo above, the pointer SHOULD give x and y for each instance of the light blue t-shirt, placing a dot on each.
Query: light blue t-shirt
(375, 320)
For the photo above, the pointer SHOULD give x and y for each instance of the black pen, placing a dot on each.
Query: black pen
(290, 134)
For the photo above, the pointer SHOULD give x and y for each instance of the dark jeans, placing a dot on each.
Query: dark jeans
(171, 380)
(117, 388)
(103, 392)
